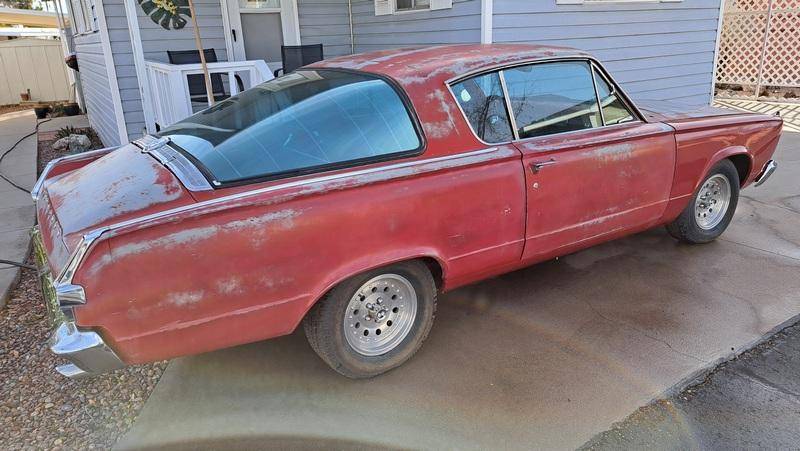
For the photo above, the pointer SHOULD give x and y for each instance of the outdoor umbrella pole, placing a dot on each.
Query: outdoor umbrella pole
(206, 76)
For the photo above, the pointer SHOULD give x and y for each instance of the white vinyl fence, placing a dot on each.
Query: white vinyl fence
(35, 64)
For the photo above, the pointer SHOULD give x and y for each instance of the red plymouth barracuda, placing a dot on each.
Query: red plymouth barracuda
(346, 195)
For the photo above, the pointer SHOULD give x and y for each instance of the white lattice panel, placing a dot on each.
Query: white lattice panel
(745, 54)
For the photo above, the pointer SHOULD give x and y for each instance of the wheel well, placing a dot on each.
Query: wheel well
(742, 163)
(436, 271)
(433, 266)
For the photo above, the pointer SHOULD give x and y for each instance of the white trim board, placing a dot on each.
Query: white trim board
(716, 50)
(487, 10)
(111, 71)
(138, 62)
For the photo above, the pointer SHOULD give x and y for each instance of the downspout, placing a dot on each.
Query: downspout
(350, 16)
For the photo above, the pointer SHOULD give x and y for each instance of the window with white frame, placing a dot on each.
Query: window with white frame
(84, 16)
(384, 7)
(409, 5)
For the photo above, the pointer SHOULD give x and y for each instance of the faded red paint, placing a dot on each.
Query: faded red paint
(248, 269)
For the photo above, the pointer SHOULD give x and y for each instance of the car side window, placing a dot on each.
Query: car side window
(614, 111)
(550, 98)
(481, 99)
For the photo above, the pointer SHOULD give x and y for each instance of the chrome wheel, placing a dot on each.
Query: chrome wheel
(712, 202)
(380, 314)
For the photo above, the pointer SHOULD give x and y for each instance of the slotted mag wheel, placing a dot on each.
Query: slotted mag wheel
(712, 202)
(380, 314)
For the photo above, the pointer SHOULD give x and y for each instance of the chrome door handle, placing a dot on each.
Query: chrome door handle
(535, 166)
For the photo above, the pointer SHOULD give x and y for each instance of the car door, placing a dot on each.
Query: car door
(592, 172)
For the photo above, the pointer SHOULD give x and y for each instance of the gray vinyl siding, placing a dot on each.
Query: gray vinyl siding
(155, 43)
(96, 89)
(459, 25)
(660, 51)
(325, 22)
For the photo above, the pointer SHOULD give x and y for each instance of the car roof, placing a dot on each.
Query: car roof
(437, 64)
(423, 73)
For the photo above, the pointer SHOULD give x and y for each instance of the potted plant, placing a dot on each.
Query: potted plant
(41, 110)
(25, 96)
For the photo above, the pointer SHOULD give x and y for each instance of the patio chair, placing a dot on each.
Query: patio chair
(294, 56)
(197, 84)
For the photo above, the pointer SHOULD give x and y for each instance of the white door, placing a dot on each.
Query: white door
(257, 29)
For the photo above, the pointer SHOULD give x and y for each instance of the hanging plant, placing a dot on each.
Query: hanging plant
(167, 13)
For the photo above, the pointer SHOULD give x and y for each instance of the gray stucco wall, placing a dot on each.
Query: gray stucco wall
(459, 25)
(662, 51)
(325, 22)
(96, 91)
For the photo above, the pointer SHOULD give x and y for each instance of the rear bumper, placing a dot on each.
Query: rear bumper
(85, 349)
(769, 168)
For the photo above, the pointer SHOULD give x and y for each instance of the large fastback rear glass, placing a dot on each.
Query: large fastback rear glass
(306, 121)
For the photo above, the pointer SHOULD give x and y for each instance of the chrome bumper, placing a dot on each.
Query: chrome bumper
(769, 168)
(85, 349)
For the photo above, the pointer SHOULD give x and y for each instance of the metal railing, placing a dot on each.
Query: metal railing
(171, 100)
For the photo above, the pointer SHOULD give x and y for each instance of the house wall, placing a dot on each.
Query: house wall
(661, 51)
(459, 25)
(96, 88)
(155, 43)
(325, 22)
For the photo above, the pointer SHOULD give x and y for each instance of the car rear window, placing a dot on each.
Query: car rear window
(305, 121)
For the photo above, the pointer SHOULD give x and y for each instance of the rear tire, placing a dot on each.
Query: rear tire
(373, 322)
(712, 207)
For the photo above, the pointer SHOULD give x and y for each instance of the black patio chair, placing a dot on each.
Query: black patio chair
(197, 84)
(294, 56)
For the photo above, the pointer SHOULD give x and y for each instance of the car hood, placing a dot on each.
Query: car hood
(125, 184)
(671, 111)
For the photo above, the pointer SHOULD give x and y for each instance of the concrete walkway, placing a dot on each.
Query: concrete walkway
(16, 207)
(752, 402)
(790, 112)
(545, 357)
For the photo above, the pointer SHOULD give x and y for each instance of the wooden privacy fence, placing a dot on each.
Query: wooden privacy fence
(35, 64)
(760, 44)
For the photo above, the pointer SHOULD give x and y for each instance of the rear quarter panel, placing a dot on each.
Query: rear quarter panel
(249, 269)
(701, 143)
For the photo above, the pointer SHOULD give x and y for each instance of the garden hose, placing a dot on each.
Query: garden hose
(17, 186)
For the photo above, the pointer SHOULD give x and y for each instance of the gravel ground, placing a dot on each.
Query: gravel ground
(39, 408)
(47, 153)
(12, 108)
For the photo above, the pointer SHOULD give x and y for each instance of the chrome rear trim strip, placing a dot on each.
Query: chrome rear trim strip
(37, 188)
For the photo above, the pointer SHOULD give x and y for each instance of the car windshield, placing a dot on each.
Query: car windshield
(302, 122)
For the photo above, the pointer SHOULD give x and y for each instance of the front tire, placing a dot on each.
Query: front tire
(373, 322)
(711, 209)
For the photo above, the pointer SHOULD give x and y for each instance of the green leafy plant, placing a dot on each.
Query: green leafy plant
(65, 131)
(167, 13)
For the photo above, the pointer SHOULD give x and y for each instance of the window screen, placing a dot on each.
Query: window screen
(614, 111)
(552, 98)
(299, 122)
(481, 99)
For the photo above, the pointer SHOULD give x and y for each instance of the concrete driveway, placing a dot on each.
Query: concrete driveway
(544, 357)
